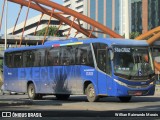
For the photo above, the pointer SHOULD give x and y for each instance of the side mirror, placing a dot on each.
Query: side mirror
(110, 50)
(111, 54)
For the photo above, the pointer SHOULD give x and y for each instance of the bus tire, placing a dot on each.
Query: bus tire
(62, 96)
(125, 99)
(32, 92)
(90, 92)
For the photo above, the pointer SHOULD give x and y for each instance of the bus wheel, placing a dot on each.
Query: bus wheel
(90, 92)
(125, 99)
(62, 96)
(32, 92)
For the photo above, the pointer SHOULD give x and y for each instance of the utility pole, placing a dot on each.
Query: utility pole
(126, 11)
(5, 47)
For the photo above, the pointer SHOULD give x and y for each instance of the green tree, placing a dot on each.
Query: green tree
(133, 35)
(51, 31)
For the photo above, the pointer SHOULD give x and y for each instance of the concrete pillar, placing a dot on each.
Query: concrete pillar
(105, 17)
(126, 12)
(113, 15)
(144, 16)
(96, 15)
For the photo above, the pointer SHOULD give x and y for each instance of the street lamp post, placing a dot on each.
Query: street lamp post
(6, 25)
(126, 11)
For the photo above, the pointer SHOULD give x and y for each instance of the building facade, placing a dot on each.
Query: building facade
(136, 16)
(79, 6)
(101, 11)
(32, 23)
(145, 15)
(110, 13)
(114, 14)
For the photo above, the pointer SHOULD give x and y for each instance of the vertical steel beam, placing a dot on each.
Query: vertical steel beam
(105, 15)
(17, 19)
(113, 15)
(91, 32)
(58, 28)
(38, 24)
(2, 14)
(5, 46)
(126, 12)
(70, 27)
(76, 34)
(25, 23)
(46, 32)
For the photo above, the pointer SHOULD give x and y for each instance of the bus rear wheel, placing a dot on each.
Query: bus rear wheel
(62, 96)
(32, 92)
(125, 99)
(90, 92)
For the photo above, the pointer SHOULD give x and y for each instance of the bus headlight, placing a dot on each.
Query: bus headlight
(152, 83)
(120, 83)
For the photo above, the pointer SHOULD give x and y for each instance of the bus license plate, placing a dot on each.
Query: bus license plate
(136, 93)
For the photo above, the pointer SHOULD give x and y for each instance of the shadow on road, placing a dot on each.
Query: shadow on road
(145, 108)
(52, 101)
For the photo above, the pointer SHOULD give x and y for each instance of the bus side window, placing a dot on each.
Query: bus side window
(39, 56)
(102, 55)
(53, 57)
(101, 63)
(77, 55)
(8, 59)
(17, 60)
(85, 55)
(28, 58)
(67, 56)
(108, 68)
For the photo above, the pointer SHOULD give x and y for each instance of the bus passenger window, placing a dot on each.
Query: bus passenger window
(39, 58)
(17, 60)
(56, 61)
(28, 59)
(8, 60)
(84, 55)
(53, 57)
(49, 59)
(67, 57)
(102, 60)
(84, 58)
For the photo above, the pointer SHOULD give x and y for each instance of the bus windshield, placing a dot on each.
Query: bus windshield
(132, 61)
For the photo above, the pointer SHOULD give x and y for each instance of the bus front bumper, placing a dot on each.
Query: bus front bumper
(126, 90)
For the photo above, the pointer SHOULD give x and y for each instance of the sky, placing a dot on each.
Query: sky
(13, 10)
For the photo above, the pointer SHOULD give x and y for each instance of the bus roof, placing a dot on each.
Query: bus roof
(73, 41)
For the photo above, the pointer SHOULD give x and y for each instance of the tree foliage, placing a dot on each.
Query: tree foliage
(51, 31)
(133, 35)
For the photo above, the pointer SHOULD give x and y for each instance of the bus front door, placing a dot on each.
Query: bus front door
(103, 64)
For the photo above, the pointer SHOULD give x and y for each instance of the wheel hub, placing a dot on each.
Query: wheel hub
(91, 92)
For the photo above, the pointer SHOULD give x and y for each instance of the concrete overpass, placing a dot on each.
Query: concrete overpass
(27, 40)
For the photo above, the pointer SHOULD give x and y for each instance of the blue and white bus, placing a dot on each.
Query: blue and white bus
(94, 67)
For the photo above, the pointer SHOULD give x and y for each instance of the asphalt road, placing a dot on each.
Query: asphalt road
(78, 105)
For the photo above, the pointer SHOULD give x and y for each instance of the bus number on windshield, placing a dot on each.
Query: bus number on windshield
(122, 50)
